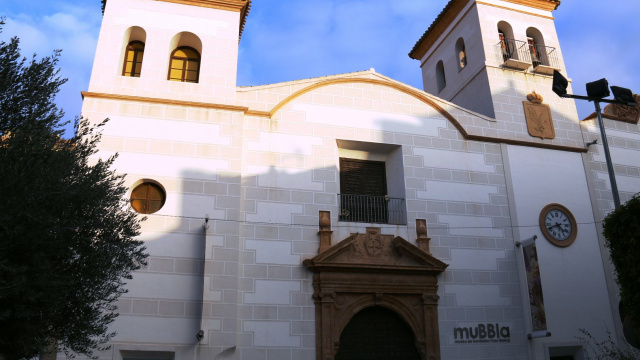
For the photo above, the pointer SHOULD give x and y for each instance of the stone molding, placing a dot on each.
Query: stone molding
(547, 5)
(425, 98)
(418, 94)
(142, 99)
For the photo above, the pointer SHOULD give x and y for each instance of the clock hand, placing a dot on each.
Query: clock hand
(552, 226)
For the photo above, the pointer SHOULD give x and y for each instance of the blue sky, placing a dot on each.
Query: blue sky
(295, 39)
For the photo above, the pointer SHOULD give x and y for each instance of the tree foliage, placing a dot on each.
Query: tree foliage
(67, 234)
(622, 233)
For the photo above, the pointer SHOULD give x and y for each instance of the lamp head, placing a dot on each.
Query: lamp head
(598, 89)
(560, 84)
(623, 96)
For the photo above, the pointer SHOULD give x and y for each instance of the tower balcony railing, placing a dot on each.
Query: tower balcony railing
(513, 53)
(372, 209)
(522, 55)
(544, 59)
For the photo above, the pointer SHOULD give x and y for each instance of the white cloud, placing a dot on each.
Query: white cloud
(65, 23)
(32, 39)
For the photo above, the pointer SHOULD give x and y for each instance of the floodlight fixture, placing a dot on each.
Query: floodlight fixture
(598, 89)
(560, 84)
(623, 95)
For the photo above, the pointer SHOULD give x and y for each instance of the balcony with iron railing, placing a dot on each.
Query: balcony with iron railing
(372, 209)
(522, 55)
(544, 59)
(513, 53)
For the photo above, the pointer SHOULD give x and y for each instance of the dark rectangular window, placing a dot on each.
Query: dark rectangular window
(363, 195)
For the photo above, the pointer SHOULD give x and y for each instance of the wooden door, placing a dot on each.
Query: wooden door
(377, 333)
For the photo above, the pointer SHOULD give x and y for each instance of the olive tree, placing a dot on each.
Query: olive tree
(67, 235)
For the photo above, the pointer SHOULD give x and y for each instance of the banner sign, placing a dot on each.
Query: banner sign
(534, 286)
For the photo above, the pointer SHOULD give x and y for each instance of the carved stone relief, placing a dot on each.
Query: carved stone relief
(373, 269)
(538, 117)
(630, 114)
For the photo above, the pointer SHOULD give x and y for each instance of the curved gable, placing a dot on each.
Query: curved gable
(421, 96)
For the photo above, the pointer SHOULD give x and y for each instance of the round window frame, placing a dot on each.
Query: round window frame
(574, 225)
(144, 182)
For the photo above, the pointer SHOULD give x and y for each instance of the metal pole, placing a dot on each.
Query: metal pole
(605, 145)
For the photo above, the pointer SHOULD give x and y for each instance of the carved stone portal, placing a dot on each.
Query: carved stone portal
(372, 269)
(538, 116)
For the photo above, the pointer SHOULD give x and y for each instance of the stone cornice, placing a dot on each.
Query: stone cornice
(418, 94)
(231, 5)
(244, 109)
(546, 5)
(241, 6)
(437, 28)
(427, 99)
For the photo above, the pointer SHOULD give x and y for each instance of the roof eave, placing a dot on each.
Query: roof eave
(449, 13)
(242, 6)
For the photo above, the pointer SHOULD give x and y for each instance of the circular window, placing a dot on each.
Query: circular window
(147, 198)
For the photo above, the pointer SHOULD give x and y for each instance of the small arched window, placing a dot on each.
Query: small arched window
(147, 197)
(184, 65)
(440, 78)
(461, 53)
(537, 49)
(133, 59)
(508, 46)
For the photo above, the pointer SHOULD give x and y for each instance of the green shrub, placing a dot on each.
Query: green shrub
(622, 233)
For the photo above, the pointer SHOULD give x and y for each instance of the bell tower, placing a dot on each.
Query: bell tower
(165, 75)
(487, 56)
(169, 49)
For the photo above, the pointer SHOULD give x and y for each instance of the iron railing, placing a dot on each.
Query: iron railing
(543, 55)
(510, 49)
(513, 49)
(372, 209)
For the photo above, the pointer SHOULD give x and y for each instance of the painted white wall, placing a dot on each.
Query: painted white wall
(217, 29)
(467, 27)
(573, 281)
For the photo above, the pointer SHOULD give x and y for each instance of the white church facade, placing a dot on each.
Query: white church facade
(353, 216)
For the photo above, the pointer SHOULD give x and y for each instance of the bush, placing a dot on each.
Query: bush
(622, 233)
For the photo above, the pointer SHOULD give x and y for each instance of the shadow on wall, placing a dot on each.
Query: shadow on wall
(264, 224)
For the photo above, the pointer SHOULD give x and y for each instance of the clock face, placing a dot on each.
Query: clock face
(558, 225)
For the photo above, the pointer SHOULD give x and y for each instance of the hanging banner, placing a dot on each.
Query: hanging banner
(534, 286)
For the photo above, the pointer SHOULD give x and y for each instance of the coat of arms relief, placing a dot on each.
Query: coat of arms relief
(538, 117)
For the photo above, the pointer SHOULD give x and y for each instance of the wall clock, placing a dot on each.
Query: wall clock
(558, 225)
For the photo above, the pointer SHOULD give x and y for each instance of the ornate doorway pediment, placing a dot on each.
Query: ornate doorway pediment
(373, 269)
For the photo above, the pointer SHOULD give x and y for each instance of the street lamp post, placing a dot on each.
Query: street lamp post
(596, 92)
